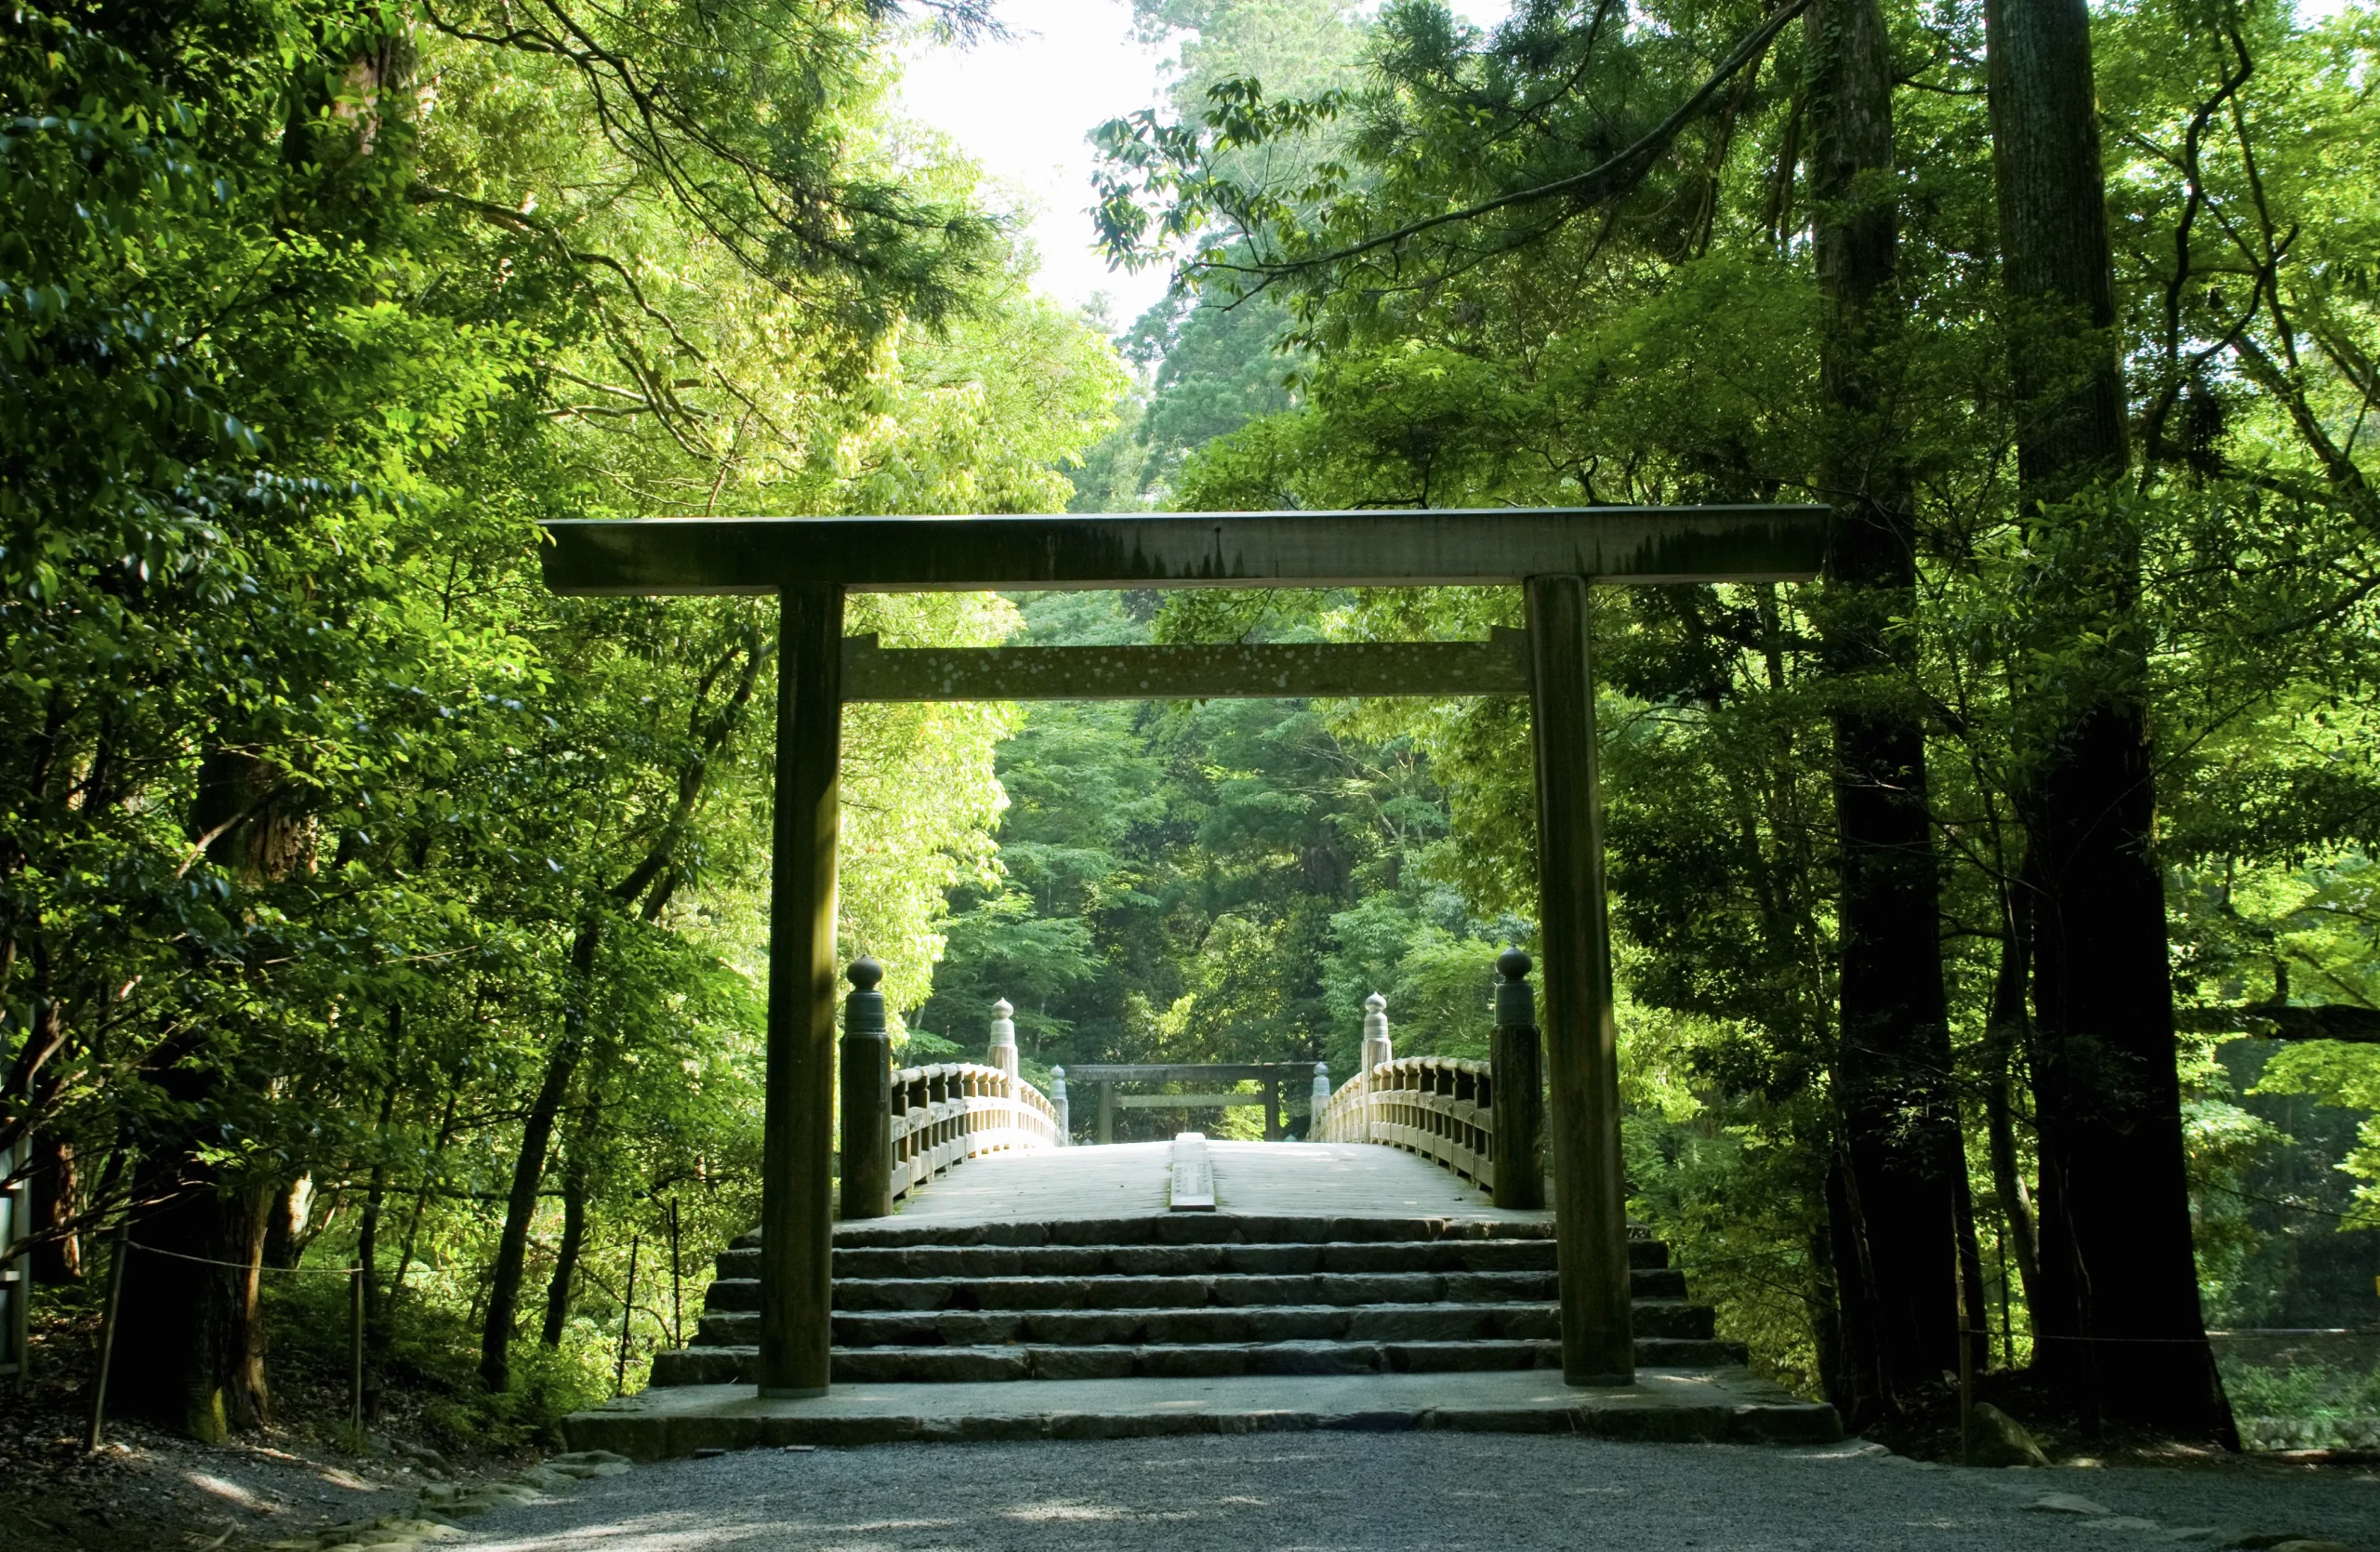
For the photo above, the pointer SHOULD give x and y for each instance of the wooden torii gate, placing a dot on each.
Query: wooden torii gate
(1552, 555)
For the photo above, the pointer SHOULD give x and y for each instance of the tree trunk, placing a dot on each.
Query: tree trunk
(375, 1190)
(573, 1239)
(284, 1228)
(529, 1168)
(2118, 1326)
(59, 1257)
(190, 1342)
(2001, 1035)
(1898, 1162)
(188, 1345)
(1975, 1316)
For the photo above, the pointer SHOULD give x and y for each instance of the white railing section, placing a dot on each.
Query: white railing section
(948, 1113)
(1438, 1106)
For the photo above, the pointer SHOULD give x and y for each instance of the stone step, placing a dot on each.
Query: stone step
(732, 1295)
(1033, 1361)
(1114, 1259)
(1712, 1405)
(1211, 1325)
(1175, 1228)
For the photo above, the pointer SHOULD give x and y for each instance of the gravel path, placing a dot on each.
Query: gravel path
(1385, 1493)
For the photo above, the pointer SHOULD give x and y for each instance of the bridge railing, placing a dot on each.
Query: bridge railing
(950, 1112)
(901, 1127)
(1480, 1119)
(1441, 1107)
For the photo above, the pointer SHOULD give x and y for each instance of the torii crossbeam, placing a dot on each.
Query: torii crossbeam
(1552, 555)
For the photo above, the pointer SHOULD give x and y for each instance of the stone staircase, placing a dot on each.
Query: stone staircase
(1190, 1295)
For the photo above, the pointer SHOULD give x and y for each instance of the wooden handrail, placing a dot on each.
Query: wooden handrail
(1444, 1107)
(1441, 1107)
(947, 1113)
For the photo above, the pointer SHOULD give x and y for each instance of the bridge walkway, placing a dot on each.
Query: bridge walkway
(1325, 1180)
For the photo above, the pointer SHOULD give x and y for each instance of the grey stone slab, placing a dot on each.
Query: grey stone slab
(1273, 1260)
(1440, 1357)
(1163, 1260)
(703, 1365)
(1086, 1327)
(733, 1294)
(1668, 1405)
(929, 1365)
(1499, 1288)
(1176, 1363)
(1084, 1363)
(1432, 1322)
(1314, 1358)
(936, 1328)
(869, 1295)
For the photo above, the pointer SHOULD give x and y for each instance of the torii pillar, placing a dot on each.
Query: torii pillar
(1553, 554)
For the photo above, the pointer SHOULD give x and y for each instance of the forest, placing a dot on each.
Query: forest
(1997, 957)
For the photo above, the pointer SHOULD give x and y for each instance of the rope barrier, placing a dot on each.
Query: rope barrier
(124, 1241)
(237, 1266)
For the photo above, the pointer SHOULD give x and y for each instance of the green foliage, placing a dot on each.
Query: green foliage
(2308, 1390)
(333, 836)
(1501, 301)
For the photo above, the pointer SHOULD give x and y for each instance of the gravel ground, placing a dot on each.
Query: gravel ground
(1384, 1492)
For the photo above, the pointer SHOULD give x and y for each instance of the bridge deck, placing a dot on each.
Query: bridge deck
(1126, 1179)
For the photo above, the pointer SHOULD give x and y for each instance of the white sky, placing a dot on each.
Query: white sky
(1023, 109)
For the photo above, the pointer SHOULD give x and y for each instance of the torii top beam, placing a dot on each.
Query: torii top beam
(1450, 547)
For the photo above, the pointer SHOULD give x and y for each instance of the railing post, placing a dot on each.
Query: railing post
(1376, 1049)
(1376, 1052)
(1321, 1097)
(1058, 1104)
(1515, 1084)
(1106, 1111)
(1003, 1055)
(867, 1096)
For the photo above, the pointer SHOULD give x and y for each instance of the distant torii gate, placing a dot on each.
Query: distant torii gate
(1552, 555)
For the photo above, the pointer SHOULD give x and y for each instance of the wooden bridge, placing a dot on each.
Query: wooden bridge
(1020, 1286)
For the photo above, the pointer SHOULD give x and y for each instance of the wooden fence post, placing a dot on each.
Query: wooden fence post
(867, 1096)
(1058, 1104)
(627, 1308)
(107, 1335)
(1515, 1078)
(677, 1301)
(1106, 1111)
(356, 1351)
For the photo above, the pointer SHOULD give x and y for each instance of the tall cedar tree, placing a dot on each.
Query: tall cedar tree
(1891, 1182)
(2117, 1320)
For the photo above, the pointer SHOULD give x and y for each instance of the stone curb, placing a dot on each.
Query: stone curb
(665, 1436)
